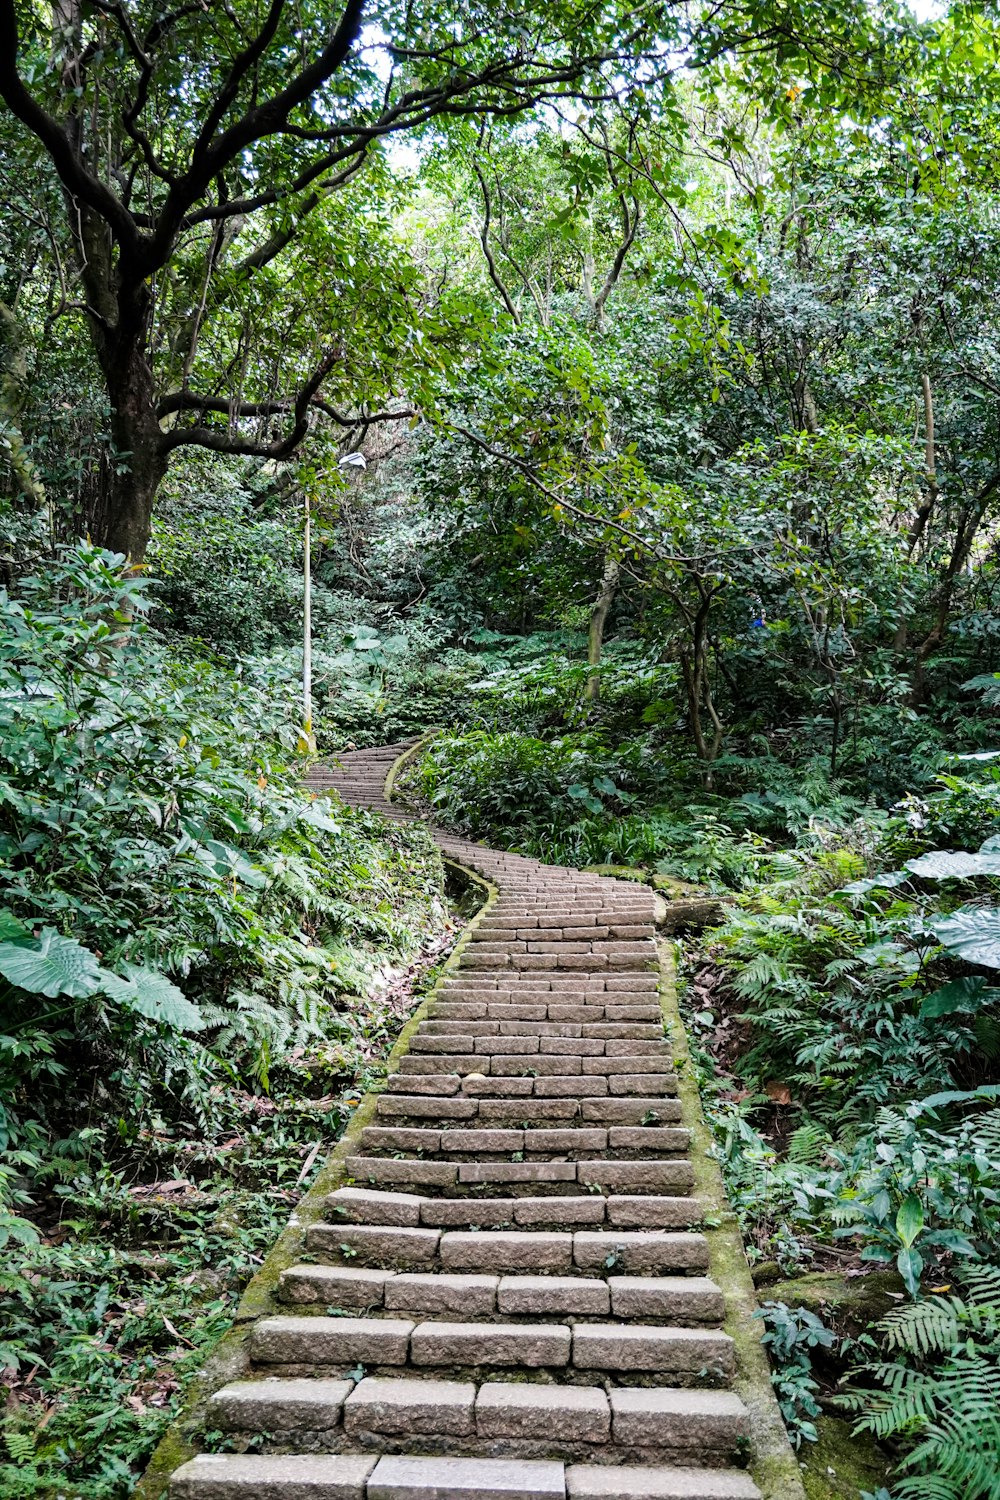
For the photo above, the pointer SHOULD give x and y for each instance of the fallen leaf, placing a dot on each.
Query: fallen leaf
(779, 1092)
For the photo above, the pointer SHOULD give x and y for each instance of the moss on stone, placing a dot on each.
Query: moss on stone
(677, 890)
(854, 1300)
(840, 1465)
(618, 872)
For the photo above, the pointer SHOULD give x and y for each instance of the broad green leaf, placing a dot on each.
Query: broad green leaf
(909, 1219)
(972, 933)
(949, 864)
(910, 1263)
(151, 994)
(960, 995)
(13, 931)
(52, 965)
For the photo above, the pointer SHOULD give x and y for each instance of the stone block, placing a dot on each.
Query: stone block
(367, 1206)
(648, 1138)
(453, 1042)
(426, 1293)
(630, 1030)
(584, 1482)
(642, 1084)
(410, 1107)
(535, 1065)
(628, 1064)
(334, 1286)
(569, 1046)
(571, 1138)
(527, 1111)
(331, 1341)
(638, 1176)
(568, 1413)
(506, 1046)
(630, 1110)
(405, 1478)
(410, 1062)
(553, 1296)
(622, 1047)
(386, 1169)
(707, 1422)
(482, 1140)
(278, 1405)
(511, 1250)
(575, 1212)
(652, 1212)
(423, 1083)
(516, 1171)
(561, 1086)
(673, 1351)
(639, 1253)
(399, 1138)
(374, 1244)
(667, 1299)
(320, 1476)
(460, 1212)
(512, 1345)
(411, 1407)
(479, 1086)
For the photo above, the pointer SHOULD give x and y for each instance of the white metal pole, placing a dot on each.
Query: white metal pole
(307, 711)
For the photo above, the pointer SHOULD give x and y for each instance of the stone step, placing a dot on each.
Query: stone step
(663, 1176)
(409, 1210)
(400, 1477)
(344, 1343)
(476, 1142)
(597, 1482)
(279, 1406)
(598, 1252)
(681, 1300)
(312, 1476)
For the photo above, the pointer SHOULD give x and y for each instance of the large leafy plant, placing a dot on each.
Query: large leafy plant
(160, 870)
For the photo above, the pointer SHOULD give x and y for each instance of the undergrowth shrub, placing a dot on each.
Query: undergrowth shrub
(160, 870)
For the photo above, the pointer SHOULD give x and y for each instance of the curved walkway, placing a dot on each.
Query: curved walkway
(510, 1302)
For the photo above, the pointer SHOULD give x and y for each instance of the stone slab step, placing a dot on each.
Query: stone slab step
(596, 1482)
(331, 1341)
(597, 1252)
(436, 1408)
(524, 1346)
(404, 1478)
(279, 1406)
(351, 1205)
(638, 1252)
(230, 1476)
(679, 1299)
(675, 1351)
(663, 1176)
(478, 1141)
(711, 1424)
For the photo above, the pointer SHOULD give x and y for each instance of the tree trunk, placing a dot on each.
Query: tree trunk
(13, 373)
(121, 519)
(598, 620)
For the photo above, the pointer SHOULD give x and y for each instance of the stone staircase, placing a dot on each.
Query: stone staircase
(510, 1299)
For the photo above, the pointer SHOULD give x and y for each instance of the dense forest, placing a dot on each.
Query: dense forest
(636, 372)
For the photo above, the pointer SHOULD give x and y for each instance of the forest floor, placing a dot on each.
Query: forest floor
(138, 1272)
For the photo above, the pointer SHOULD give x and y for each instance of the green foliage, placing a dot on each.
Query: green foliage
(790, 1337)
(938, 1392)
(147, 812)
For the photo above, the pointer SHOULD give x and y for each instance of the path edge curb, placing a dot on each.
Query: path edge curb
(229, 1360)
(773, 1464)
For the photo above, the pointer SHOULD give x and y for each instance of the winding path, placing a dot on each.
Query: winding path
(509, 1301)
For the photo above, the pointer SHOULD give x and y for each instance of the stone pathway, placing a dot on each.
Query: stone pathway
(510, 1302)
